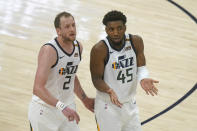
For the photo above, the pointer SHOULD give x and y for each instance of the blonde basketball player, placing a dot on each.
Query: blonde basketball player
(117, 62)
(52, 107)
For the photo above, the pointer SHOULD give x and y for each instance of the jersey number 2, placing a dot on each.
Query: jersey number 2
(121, 76)
(66, 82)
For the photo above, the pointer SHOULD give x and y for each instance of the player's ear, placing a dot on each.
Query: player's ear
(58, 31)
(125, 27)
(106, 29)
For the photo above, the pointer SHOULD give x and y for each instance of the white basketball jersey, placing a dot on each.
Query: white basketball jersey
(61, 78)
(120, 71)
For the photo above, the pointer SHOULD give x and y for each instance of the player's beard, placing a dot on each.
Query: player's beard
(117, 43)
(68, 38)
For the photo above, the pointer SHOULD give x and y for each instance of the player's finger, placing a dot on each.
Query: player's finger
(118, 103)
(71, 118)
(155, 81)
(154, 90)
(146, 91)
(112, 100)
(144, 86)
(76, 117)
(150, 90)
(115, 101)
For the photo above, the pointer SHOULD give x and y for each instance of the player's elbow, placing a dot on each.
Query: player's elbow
(96, 81)
(36, 90)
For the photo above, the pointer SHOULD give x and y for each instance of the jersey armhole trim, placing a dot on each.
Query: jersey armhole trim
(107, 58)
(130, 37)
(56, 53)
(79, 50)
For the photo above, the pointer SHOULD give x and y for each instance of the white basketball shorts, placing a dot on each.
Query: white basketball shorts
(110, 117)
(48, 118)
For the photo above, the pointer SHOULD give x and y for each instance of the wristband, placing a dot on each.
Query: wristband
(60, 105)
(142, 72)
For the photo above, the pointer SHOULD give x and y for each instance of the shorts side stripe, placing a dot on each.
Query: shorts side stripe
(31, 129)
(98, 129)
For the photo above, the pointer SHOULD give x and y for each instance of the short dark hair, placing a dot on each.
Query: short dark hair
(114, 15)
(58, 16)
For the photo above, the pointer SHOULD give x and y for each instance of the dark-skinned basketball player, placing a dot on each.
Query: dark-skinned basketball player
(117, 64)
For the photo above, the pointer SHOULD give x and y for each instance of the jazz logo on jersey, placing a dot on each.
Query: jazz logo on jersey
(122, 62)
(69, 69)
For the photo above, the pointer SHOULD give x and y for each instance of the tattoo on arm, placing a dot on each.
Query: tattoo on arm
(83, 95)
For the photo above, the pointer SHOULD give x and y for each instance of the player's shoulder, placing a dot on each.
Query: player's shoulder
(99, 46)
(48, 49)
(136, 38)
(79, 44)
(99, 49)
(137, 41)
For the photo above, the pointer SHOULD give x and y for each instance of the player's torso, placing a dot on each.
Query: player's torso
(60, 81)
(120, 70)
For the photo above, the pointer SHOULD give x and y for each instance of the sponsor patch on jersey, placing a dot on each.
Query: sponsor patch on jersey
(127, 48)
(127, 40)
(76, 55)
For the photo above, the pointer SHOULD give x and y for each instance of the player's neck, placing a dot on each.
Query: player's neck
(67, 45)
(64, 42)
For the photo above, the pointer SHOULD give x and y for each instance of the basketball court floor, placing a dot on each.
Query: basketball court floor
(170, 39)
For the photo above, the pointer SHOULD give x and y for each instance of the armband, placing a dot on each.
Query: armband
(142, 72)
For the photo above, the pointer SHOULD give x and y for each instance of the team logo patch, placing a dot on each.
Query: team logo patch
(62, 71)
(122, 62)
(69, 69)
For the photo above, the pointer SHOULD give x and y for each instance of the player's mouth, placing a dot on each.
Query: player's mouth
(72, 34)
(117, 39)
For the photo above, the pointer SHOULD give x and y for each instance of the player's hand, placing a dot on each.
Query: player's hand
(114, 98)
(148, 85)
(71, 114)
(89, 103)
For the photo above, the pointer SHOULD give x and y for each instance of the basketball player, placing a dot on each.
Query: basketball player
(52, 107)
(117, 62)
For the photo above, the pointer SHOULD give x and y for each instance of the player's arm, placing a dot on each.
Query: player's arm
(142, 73)
(88, 102)
(139, 46)
(46, 58)
(97, 65)
(97, 58)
